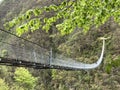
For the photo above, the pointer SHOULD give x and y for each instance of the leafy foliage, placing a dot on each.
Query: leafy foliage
(113, 64)
(4, 53)
(3, 85)
(24, 78)
(75, 13)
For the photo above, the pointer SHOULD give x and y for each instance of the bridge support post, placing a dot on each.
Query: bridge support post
(50, 56)
(35, 56)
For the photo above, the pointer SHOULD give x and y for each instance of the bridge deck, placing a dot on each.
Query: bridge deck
(23, 63)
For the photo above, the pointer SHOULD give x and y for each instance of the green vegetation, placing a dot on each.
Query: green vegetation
(3, 85)
(112, 64)
(21, 79)
(74, 14)
(4, 53)
(24, 78)
(64, 22)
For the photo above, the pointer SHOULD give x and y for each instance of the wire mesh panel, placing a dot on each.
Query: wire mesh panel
(21, 49)
(71, 63)
(18, 48)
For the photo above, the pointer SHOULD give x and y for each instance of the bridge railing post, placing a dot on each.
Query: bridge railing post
(50, 56)
(35, 56)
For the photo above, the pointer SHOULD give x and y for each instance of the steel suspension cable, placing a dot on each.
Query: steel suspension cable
(21, 38)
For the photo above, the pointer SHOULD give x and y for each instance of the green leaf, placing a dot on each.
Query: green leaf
(46, 27)
(37, 12)
(108, 68)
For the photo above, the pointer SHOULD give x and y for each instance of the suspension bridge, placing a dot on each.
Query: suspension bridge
(18, 51)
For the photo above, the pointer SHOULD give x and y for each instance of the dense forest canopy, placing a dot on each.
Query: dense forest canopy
(72, 13)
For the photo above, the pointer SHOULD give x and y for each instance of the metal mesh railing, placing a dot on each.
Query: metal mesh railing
(19, 49)
(11, 46)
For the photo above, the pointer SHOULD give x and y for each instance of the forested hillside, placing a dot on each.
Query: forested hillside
(83, 47)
